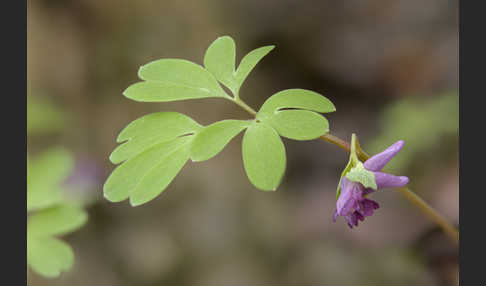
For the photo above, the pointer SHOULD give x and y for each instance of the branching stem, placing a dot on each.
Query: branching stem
(429, 211)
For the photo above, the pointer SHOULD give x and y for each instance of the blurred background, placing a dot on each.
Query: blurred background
(391, 69)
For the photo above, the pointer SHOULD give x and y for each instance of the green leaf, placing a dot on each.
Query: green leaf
(160, 176)
(150, 130)
(220, 61)
(249, 62)
(153, 168)
(45, 175)
(58, 220)
(151, 91)
(263, 156)
(48, 256)
(213, 138)
(359, 174)
(176, 74)
(299, 124)
(295, 98)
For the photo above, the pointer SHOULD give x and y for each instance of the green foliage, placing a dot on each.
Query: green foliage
(155, 147)
(150, 130)
(263, 156)
(299, 124)
(50, 214)
(45, 175)
(295, 98)
(212, 139)
(422, 123)
(173, 79)
(220, 60)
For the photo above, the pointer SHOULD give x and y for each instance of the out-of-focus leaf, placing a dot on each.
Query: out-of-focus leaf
(57, 220)
(299, 124)
(422, 123)
(263, 156)
(48, 256)
(45, 175)
(150, 130)
(49, 214)
(213, 138)
(297, 99)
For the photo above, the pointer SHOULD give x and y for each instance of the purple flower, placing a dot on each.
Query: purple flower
(352, 203)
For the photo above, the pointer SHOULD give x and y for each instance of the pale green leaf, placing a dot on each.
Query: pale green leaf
(184, 73)
(213, 138)
(160, 176)
(152, 91)
(128, 176)
(263, 156)
(58, 220)
(299, 124)
(49, 256)
(45, 175)
(150, 130)
(359, 174)
(249, 62)
(295, 98)
(220, 61)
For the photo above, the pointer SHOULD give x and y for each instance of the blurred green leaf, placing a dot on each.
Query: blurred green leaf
(263, 156)
(359, 174)
(49, 256)
(249, 62)
(45, 175)
(57, 220)
(145, 175)
(49, 214)
(299, 124)
(422, 123)
(220, 61)
(43, 116)
(150, 130)
(295, 98)
(177, 79)
(213, 138)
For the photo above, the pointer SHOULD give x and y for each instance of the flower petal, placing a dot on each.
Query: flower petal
(351, 194)
(378, 161)
(384, 180)
(367, 207)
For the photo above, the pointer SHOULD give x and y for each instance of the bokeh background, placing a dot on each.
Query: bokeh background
(390, 67)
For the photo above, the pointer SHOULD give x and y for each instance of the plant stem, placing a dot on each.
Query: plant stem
(243, 105)
(430, 212)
